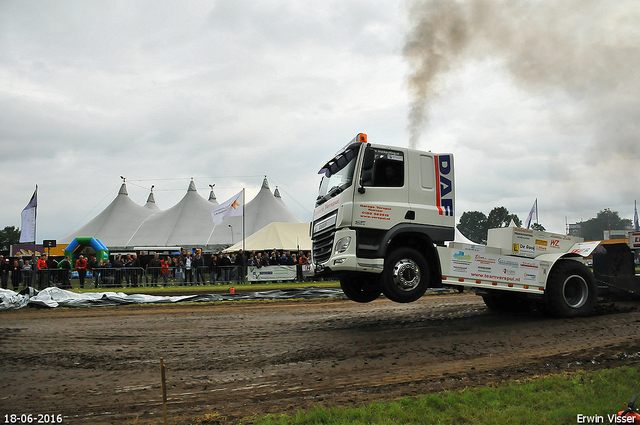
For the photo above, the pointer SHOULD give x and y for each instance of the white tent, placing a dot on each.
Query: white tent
(188, 223)
(281, 236)
(125, 224)
(151, 203)
(117, 222)
(459, 237)
(263, 209)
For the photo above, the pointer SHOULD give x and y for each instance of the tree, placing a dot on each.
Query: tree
(473, 225)
(10, 235)
(593, 229)
(538, 226)
(500, 217)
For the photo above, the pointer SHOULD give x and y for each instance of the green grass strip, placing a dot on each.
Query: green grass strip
(192, 289)
(557, 399)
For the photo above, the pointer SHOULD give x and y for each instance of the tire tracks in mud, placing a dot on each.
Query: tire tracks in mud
(101, 365)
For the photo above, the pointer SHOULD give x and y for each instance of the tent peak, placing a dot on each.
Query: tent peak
(212, 196)
(265, 183)
(123, 189)
(192, 186)
(276, 193)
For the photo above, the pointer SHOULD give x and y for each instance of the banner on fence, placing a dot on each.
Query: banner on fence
(271, 273)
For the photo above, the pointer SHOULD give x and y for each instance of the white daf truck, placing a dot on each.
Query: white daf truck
(384, 223)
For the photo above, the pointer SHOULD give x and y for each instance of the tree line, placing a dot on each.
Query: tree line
(475, 225)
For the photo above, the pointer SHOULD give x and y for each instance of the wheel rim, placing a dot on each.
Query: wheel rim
(406, 274)
(575, 291)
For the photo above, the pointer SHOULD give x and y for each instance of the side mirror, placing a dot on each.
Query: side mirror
(367, 161)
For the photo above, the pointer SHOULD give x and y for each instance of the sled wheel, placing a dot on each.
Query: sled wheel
(571, 289)
(362, 288)
(405, 277)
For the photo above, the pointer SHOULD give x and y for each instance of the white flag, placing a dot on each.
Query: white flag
(28, 232)
(232, 207)
(534, 211)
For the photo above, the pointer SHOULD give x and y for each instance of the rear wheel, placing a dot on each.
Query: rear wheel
(571, 289)
(362, 288)
(405, 277)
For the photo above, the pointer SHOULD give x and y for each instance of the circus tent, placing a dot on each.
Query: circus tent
(119, 220)
(281, 236)
(124, 224)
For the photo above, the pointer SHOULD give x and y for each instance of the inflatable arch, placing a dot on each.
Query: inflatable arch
(87, 246)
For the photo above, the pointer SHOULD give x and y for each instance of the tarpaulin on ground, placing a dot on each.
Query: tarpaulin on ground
(56, 297)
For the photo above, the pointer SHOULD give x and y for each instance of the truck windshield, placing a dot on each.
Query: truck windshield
(338, 174)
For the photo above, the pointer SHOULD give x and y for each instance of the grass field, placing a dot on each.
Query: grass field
(174, 288)
(558, 399)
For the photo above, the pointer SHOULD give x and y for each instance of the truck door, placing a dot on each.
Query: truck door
(431, 188)
(384, 202)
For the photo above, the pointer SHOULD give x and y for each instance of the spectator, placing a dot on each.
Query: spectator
(259, 260)
(214, 269)
(302, 259)
(5, 271)
(65, 268)
(188, 268)
(224, 264)
(99, 272)
(43, 274)
(92, 263)
(273, 258)
(27, 273)
(81, 266)
(155, 264)
(134, 264)
(198, 267)
(118, 265)
(180, 271)
(164, 268)
(16, 272)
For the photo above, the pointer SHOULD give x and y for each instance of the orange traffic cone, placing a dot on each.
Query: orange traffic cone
(232, 290)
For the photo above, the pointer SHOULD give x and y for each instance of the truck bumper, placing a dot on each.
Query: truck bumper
(345, 260)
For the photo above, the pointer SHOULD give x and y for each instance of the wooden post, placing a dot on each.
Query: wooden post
(164, 391)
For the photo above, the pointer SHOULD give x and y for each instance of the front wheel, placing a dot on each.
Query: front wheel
(362, 288)
(405, 277)
(571, 289)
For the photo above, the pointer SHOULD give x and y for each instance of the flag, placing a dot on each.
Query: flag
(231, 208)
(635, 217)
(28, 232)
(534, 211)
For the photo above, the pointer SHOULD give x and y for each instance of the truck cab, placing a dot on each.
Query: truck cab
(379, 213)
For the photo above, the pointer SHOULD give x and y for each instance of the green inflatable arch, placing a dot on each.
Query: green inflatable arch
(79, 245)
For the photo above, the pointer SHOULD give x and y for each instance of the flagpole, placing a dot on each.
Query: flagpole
(243, 250)
(537, 213)
(35, 221)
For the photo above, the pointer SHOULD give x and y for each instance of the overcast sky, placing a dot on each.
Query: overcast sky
(535, 99)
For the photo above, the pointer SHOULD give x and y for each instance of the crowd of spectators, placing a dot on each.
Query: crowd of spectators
(136, 269)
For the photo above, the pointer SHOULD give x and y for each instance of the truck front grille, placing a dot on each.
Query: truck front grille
(322, 245)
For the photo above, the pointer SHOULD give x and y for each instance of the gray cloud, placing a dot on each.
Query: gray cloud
(576, 60)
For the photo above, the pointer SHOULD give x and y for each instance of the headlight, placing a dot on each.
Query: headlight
(343, 244)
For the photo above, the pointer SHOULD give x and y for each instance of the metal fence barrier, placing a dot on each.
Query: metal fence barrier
(109, 277)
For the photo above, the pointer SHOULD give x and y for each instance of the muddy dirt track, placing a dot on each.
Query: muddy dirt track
(101, 365)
